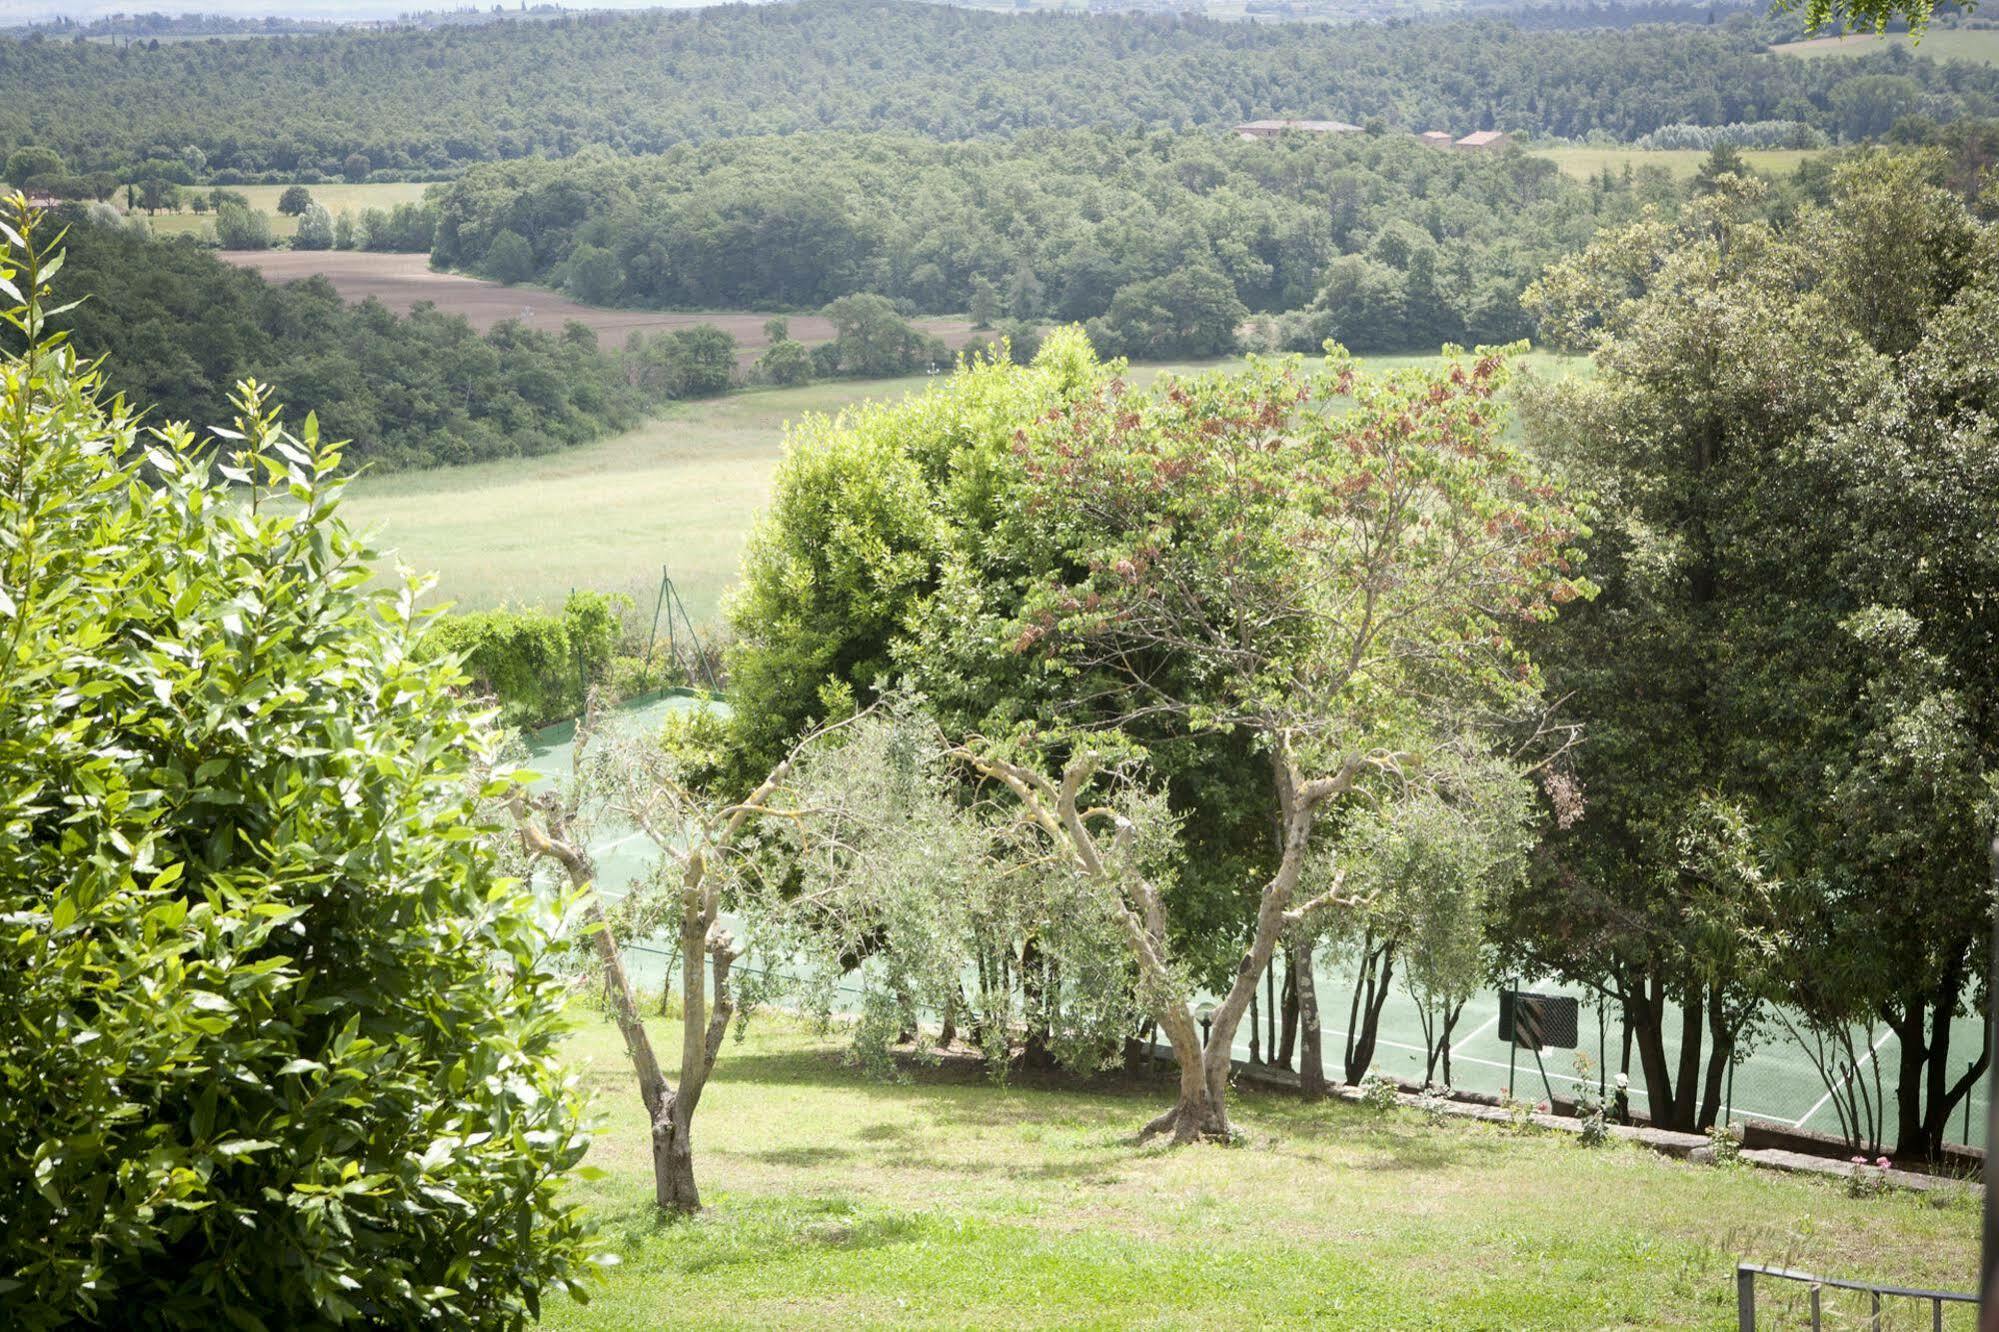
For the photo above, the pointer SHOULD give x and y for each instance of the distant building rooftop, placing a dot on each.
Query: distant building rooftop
(1486, 139)
(1269, 129)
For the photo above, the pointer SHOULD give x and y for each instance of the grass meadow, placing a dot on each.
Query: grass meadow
(943, 1201)
(339, 198)
(681, 490)
(1979, 45)
(1588, 160)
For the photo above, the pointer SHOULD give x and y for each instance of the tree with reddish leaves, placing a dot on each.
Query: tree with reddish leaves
(1329, 565)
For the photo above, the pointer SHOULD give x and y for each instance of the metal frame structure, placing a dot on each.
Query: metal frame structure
(670, 603)
(1745, 1296)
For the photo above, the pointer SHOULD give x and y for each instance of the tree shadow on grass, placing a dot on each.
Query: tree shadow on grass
(761, 1232)
(956, 1093)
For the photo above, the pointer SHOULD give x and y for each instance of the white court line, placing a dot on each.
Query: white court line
(1492, 1021)
(1887, 1034)
(1635, 1093)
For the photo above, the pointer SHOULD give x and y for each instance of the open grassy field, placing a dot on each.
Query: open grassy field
(1980, 45)
(401, 280)
(942, 1201)
(1588, 160)
(339, 198)
(681, 490)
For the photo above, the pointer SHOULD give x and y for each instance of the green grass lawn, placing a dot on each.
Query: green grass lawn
(946, 1202)
(1586, 161)
(682, 490)
(1980, 45)
(338, 198)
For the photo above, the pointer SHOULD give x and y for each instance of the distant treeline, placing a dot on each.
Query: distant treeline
(1164, 243)
(412, 102)
(181, 327)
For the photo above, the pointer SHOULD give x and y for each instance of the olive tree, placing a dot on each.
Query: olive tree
(911, 888)
(280, 1041)
(1426, 863)
(716, 857)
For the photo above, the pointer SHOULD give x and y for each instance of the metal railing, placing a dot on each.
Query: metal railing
(1745, 1296)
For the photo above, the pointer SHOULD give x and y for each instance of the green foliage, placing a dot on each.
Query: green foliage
(280, 1043)
(870, 511)
(29, 161)
(1191, 312)
(538, 666)
(156, 194)
(871, 341)
(411, 391)
(315, 229)
(414, 100)
(697, 362)
(1768, 630)
(592, 276)
(294, 201)
(785, 362)
(408, 228)
(239, 227)
(1165, 241)
(509, 259)
(972, 538)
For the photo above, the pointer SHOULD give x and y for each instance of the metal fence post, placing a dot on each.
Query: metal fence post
(1745, 1298)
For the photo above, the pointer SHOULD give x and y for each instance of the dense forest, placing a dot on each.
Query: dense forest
(418, 102)
(1053, 226)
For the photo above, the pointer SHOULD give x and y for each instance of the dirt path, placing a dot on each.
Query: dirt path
(399, 281)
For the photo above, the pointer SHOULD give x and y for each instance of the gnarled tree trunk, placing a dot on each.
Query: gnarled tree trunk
(1311, 1058)
(1201, 1110)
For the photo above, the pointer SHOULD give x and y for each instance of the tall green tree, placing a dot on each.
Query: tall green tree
(281, 1043)
(1338, 591)
(1724, 667)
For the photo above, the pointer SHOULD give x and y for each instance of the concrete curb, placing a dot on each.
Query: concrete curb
(1692, 1147)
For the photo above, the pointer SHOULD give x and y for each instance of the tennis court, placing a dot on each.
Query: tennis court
(1775, 1084)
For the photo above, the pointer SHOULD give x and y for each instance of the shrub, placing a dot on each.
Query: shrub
(785, 362)
(1726, 1140)
(1589, 1105)
(1378, 1091)
(294, 201)
(239, 228)
(1434, 1101)
(535, 664)
(510, 260)
(315, 229)
(280, 1046)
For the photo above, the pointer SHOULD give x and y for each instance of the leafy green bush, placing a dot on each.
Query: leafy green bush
(536, 664)
(278, 1044)
(240, 228)
(1378, 1091)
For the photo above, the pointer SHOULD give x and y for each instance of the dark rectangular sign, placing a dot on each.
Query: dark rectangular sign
(1537, 1021)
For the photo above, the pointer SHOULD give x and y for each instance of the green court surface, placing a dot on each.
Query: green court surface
(1775, 1084)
